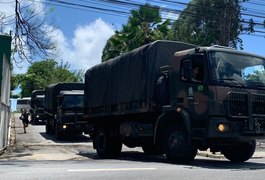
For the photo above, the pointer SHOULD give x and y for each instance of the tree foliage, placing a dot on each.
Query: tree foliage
(207, 22)
(41, 74)
(256, 76)
(144, 26)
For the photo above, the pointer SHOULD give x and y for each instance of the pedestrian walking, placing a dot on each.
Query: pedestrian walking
(25, 119)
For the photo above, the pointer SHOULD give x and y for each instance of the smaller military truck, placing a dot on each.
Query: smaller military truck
(63, 107)
(37, 109)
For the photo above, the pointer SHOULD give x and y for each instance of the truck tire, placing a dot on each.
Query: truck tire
(151, 149)
(106, 146)
(240, 152)
(177, 145)
(48, 129)
(58, 133)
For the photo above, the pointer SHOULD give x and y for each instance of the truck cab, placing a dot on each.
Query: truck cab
(69, 117)
(224, 108)
(39, 116)
(37, 107)
(63, 108)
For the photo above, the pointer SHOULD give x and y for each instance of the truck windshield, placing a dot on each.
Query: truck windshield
(39, 102)
(73, 101)
(237, 69)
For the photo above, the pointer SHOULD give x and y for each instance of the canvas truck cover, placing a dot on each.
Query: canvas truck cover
(34, 94)
(53, 90)
(130, 77)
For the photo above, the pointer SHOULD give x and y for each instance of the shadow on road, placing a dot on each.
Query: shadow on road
(225, 164)
(137, 156)
(73, 138)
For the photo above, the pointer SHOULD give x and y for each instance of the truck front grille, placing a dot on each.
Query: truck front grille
(237, 105)
(258, 105)
(245, 105)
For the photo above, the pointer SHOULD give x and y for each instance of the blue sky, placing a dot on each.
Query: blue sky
(69, 20)
(82, 34)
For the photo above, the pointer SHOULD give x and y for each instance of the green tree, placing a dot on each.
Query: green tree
(207, 22)
(144, 26)
(41, 74)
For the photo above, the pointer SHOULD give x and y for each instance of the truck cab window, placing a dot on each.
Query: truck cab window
(192, 69)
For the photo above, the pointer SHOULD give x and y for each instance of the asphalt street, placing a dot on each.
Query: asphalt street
(37, 145)
(35, 155)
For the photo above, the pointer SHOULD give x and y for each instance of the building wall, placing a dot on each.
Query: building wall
(5, 73)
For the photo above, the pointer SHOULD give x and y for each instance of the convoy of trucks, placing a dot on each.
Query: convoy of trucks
(63, 108)
(149, 98)
(169, 98)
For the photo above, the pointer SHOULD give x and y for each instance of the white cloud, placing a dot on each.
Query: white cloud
(85, 49)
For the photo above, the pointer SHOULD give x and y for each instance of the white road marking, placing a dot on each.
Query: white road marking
(116, 169)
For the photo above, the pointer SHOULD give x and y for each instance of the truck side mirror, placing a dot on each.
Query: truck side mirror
(166, 69)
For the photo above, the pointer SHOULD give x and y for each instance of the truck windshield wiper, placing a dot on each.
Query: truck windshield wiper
(234, 80)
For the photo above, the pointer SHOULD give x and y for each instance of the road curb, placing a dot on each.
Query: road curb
(259, 153)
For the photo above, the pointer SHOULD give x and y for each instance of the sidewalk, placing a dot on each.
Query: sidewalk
(259, 153)
(37, 145)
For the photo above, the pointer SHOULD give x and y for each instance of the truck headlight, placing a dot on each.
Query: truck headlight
(223, 127)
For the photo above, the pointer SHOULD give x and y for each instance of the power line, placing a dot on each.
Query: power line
(86, 6)
(118, 11)
(131, 3)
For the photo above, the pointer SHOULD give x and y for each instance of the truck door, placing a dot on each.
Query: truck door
(194, 84)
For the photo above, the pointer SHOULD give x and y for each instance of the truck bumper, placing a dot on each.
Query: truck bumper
(74, 127)
(219, 127)
(40, 118)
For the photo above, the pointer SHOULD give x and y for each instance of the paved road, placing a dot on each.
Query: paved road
(120, 169)
(40, 156)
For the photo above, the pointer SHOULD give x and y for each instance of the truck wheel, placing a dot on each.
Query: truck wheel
(106, 146)
(240, 152)
(48, 129)
(151, 149)
(58, 133)
(116, 147)
(176, 144)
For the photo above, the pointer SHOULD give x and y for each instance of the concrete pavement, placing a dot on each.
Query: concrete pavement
(37, 145)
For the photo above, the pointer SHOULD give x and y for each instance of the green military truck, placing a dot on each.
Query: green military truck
(175, 98)
(63, 108)
(37, 108)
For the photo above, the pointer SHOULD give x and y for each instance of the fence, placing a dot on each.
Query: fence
(5, 103)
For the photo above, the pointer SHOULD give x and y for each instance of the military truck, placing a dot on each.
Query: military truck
(149, 98)
(37, 109)
(63, 107)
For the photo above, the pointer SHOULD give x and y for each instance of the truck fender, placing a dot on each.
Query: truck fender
(172, 116)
